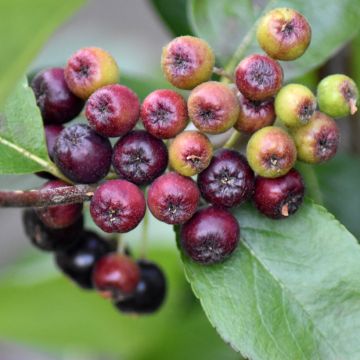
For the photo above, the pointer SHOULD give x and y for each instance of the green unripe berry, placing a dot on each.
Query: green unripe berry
(337, 95)
(295, 104)
(271, 152)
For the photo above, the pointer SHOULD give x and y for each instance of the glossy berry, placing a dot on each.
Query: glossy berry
(258, 77)
(89, 69)
(112, 110)
(117, 206)
(150, 291)
(210, 236)
(164, 113)
(295, 104)
(284, 34)
(82, 155)
(79, 260)
(190, 153)
(116, 275)
(173, 198)
(281, 197)
(228, 180)
(271, 152)
(57, 103)
(48, 239)
(187, 61)
(213, 107)
(140, 157)
(337, 95)
(318, 140)
(59, 216)
(254, 115)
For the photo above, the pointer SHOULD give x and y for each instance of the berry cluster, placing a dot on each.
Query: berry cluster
(225, 178)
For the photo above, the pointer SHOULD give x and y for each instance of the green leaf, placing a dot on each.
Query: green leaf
(228, 25)
(24, 27)
(290, 291)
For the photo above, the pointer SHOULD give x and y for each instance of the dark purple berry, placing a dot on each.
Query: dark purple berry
(210, 236)
(280, 197)
(228, 180)
(82, 155)
(57, 103)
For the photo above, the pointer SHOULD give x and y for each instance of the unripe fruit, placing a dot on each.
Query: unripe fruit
(228, 180)
(281, 197)
(190, 153)
(258, 77)
(173, 198)
(254, 115)
(112, 110)
(210, 236)
(337, 95)
(117, 206)
(271, 152)
(90, 69)
(284, 34)
(295, 104)
(187, 61)
(318, 140)
(57, 103)
(164, 113)
(213, 107)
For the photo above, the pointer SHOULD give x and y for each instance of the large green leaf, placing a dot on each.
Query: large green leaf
(290, 291)
(24, 27)
(229, 25)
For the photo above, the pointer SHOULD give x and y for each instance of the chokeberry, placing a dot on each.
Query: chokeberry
(271, 152)
(318, 140)
(164, 113)
(258, 77)
(213, 107)
(82, 155)
(117, 206)
(48, 239)
(190, 153)
(150, 291)
(57, 103)
(187, 61)
(112, 110)
(78, 261)
(228, 180)
(284, 34)
(281, 197)
(140, 157)
(89, 69)
(173, 198)
(210, 236)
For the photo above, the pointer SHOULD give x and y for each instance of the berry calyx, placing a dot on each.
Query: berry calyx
(318, 140)
(213, 107)
(295, 104)
(82, 155)
(173, 198)
(187, 61)
(338, 95)
(117, 206)
(112, 110)
(89, 69)
(271, 152)
(164, 113)
(284, 34)
(140, 157)
(281, 197)
(258, 77)
(190, 153)
(210, 236)
(228, 180)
